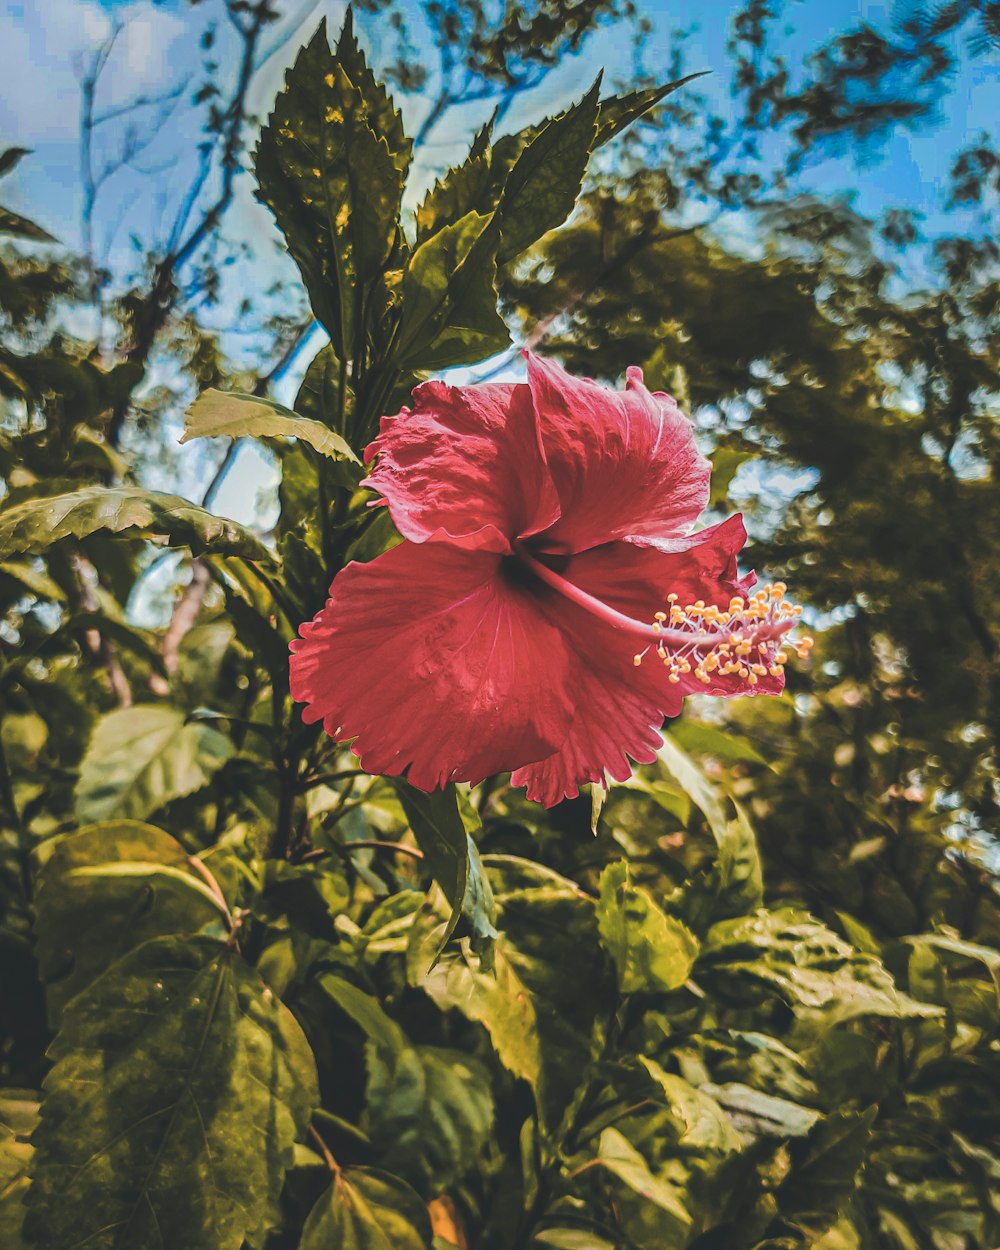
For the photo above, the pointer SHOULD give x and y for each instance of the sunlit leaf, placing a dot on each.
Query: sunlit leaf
(619, 1157)
(141, 757)
(229, 414)
(651, 950)
(33, 526)
(18, 1119)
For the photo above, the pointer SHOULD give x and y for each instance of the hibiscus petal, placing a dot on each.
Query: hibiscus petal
(437, 662)
(624, 463)
(622, 707)
(464, 466)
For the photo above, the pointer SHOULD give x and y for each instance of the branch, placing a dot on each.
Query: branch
(153, 311)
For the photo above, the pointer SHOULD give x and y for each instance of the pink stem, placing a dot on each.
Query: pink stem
(649, 633)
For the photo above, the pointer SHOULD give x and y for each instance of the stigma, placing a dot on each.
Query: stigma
(750, 639)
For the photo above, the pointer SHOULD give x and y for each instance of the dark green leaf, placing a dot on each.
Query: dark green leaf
(429, 1111)
(13, 223)
(332, 184)
(179, 1088)
(104, 891)
(441, 827)
(10, 158)
(35, 525)
(382, 114)
(619, 111)
(825, 1164)
(619, 1157)
(762, 1115)
(142, 757)
(545, 181)
(367, 1210)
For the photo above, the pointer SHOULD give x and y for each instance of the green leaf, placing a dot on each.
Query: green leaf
(619, 111)
(104, 891)
(651, 950)
(500, 1001)
(18, 1119)
(142, 757)
(619, 1157)
(429, 1111)
(179, 1087)
(706, 1125)
(739, 883)
(33, 526)
(383, 116)
(229, 414)
(367, 1210)
(366, 1011)
(449, 298)
(10, 157)
(762, 1115)
(825, 1164)
(332, 184)
(810, 966)
(725, 462)
(463, 189)
(13, 223)
(708, 740)
(543, 185)
(441, 828)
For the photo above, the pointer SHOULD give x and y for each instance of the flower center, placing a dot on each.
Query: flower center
(745, 639)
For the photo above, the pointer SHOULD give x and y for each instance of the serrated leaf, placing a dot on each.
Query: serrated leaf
(619, 111)
(142, 757)
(619, 1157)
(33, 526)
(106, 890)
(651, 950)
(332, 184)
(18, 1119)
(546, 178)
(809, 965)
(180, 1085)
(229, 414)
(367, 1210)
(383, 116)
(463, 189)
(825, 1163)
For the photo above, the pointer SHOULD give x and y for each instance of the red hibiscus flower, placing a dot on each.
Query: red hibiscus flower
(550, 605)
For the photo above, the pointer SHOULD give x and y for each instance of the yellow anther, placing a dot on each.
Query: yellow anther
(781, 658)
(660, 616)
(673, 679)
(671, 598)
(637, 659)
(752, 679)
